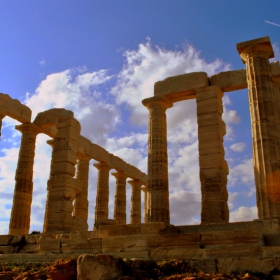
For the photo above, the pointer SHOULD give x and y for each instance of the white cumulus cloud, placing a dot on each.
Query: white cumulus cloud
(238, 147)
(244, 213)
(84, 93)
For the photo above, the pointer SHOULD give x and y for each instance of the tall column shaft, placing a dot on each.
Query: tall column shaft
(135, 210)
(62, 184)
(81, 202)
(158, 190)
(213, 167)
(21, 210)
(102, 195)
(120, 198)
(264, 113)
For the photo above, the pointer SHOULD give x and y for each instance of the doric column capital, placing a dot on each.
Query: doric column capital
(135, 183)
(29, 128)
(50, 142)
(261, 46)
(144, 188)
(157, 101)
(119, 175)
(102, 166)
(83, 157)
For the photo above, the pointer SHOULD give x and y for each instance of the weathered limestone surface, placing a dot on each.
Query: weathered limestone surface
(264, 110)
(50, 117)
(158, 191)
(213, 167)
(135, 208)
(120, 197)
(230, 80)
(81, 201)
(14, 109)
(181, 87)
(21, 210)
(62, 187)
(102, 195)
(236, 79)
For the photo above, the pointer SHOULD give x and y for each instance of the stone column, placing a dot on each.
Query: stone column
(81, 201)
(144, 189)
(102, 194)
(135, 210)
(213, 167)
(120, 198)
(158, 191)
(62, 184)
(51, 143)
(21, 210)
(264, 123)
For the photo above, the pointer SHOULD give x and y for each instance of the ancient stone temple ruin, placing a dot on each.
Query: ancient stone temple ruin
(216, 241)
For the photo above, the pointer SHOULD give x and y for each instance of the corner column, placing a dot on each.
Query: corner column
(102, 194)
(135, 211)
(21, 210)
(213, 167)
(120, 198)
(158, 190)
(264, 113)
(62, 185)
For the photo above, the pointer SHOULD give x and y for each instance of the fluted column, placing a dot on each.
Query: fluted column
(135, 209)
(21, 210)
(120, 197)
(213, 167)
(144, 189)
(81, 201)
(158, 191)
(264, 112)
(102, 194)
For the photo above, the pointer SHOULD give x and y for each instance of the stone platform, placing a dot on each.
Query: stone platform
(255, 245)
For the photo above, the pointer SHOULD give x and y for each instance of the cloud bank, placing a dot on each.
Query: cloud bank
(104, 102)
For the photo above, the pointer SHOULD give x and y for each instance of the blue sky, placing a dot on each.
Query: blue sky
(101, 58)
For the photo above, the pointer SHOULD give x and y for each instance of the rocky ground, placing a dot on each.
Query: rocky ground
(131, 270)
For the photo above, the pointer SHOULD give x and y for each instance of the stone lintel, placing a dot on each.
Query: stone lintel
(260, 44)
(99, 154)
(14, 109)
(230, 80)
(50, 117)
(236, 79)
(181, 87)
